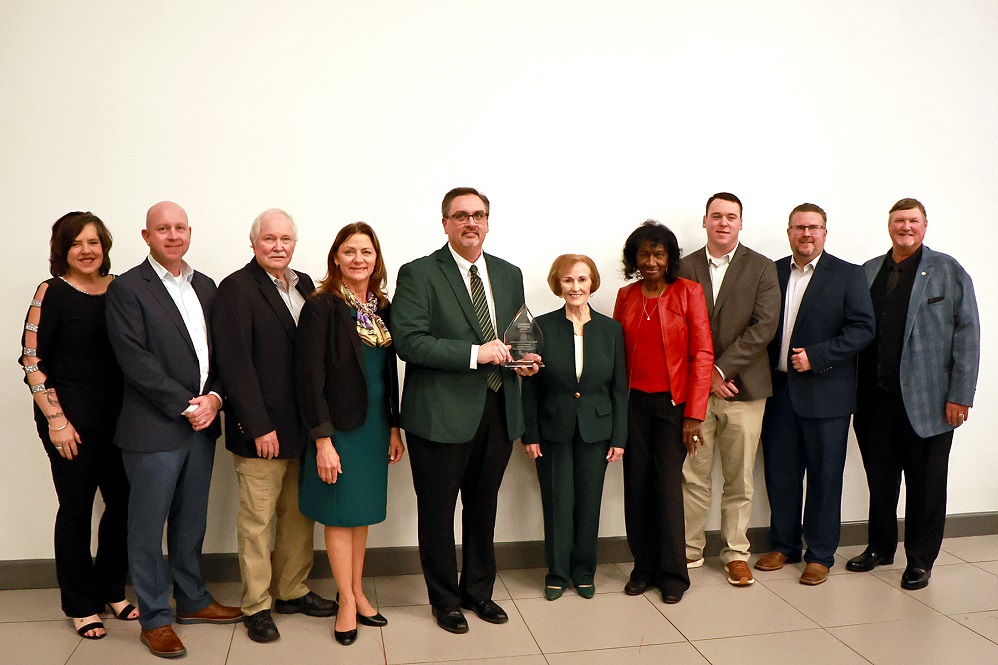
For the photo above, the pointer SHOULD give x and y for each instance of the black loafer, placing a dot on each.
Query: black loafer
(868, 560)
(636, 587)
(261, 627)
(486, 610)
(914, 579)
(671, 597)
(451, 619)
(311, 604)
(376, 621)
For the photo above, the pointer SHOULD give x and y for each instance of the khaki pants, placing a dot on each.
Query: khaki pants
(269, 489)
(731, 430)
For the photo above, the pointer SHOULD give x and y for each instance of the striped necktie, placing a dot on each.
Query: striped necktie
(494, 378)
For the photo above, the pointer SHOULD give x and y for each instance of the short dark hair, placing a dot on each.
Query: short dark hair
(908, 204)
(379, 276)
(724, 196)
(807, 207)
(657, 234)
(566, 261)
(64, 232)
(461, 191)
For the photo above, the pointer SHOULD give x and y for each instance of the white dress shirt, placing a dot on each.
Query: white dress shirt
(288, 290)
(464, 265)
(718, 267)
(796, 286)
(187, 302)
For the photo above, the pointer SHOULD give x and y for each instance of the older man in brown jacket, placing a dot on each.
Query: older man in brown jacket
(743, 301)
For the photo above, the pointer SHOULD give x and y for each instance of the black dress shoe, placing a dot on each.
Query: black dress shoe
(261, 627)
(636, 587)
(868, 560)
(346, 638)
(451, 619)
(486, 610)
(375, 621)
(671, 597)
(915, 578)
(311, 604)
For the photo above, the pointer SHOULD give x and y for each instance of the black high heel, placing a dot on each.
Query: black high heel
(377, 621)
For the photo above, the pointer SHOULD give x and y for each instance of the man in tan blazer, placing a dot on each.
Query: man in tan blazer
(743, 301)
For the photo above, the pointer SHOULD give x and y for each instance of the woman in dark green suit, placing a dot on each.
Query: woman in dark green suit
(575, 412)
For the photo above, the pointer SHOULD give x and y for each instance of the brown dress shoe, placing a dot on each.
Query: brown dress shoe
(739, 574)
(214, 613)
(163, 642)
(814, 574)
(772, 561)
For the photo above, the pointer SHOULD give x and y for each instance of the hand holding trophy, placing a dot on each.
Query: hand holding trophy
(524, 339)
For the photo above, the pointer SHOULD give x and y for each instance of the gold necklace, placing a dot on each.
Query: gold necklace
(644, 310)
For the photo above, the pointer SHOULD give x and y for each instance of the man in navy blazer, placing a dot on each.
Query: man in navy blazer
(917, 382)
(255, 321)
(827, 319)
(157, 320)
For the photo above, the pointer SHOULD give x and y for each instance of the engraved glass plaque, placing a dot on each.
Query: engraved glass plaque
(523, 336)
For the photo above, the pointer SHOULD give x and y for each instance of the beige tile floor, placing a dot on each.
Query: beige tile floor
(854, 618)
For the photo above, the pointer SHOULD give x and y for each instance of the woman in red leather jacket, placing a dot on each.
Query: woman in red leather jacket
(669, 355)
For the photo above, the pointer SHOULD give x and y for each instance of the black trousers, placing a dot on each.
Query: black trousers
(571, 481)
(87, 583)
(475, 469)
(653, 491)
(891, 447)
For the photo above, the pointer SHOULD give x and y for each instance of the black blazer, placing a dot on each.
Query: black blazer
(158, 360)
(254, 335)
(329, 368)
(554, 401)
(834, 323)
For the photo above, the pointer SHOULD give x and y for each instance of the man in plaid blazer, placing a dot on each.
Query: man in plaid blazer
(916, 385)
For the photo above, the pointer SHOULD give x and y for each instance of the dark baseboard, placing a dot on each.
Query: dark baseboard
(40, 573)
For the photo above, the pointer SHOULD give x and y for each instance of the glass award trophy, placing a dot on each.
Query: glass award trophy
(523, 336)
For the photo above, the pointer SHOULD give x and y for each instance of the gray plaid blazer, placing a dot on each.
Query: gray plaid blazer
(942, 341)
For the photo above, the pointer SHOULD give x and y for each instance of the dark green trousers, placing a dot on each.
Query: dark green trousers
(571, 479)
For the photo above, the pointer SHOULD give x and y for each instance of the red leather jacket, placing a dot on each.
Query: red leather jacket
(689, 349)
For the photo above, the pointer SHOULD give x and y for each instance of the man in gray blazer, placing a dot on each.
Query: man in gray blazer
(916, 385)
(743, 301)
(157, 320)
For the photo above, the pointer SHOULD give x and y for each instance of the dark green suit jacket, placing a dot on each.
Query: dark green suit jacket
(554, 400)
(434, 326)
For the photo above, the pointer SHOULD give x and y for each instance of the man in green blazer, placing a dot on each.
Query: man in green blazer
(460, 407)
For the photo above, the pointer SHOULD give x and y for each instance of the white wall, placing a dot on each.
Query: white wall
(578, 119)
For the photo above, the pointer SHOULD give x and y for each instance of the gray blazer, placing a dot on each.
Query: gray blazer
(158, 360)
(744, 318)
(942, 341)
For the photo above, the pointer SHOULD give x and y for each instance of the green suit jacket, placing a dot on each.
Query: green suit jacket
(434, 326)
(554, 400)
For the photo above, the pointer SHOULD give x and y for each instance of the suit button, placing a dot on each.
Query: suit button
(577, 395)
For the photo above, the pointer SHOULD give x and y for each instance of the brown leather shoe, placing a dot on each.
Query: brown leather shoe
(163, 642)
(214, 613)
(814, 574)
(739, 574)
(772, 561)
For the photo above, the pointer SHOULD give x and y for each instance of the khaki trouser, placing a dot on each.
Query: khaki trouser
(731, 430)
(269, 489)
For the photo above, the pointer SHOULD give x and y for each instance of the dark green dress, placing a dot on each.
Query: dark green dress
(359, 496)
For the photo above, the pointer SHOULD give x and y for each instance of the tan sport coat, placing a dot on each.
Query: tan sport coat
(744, 318)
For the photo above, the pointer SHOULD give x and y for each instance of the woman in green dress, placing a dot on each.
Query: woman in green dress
(347, 377)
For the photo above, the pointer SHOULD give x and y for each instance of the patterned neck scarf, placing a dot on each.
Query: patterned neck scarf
(370, 326)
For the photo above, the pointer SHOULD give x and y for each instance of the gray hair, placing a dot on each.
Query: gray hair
(255, 228)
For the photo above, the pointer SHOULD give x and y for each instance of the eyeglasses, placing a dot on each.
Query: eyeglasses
(800, 228)
(462, 216)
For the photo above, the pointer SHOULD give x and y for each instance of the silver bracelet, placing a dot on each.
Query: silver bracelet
(38, 388)
(58, 429)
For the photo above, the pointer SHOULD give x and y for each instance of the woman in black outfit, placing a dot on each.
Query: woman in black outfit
(76, 385)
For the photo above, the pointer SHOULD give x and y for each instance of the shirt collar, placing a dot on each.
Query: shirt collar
(290, 278)
(186, 271)
(905, 264)
(813, 264)
(464, 264)
(721, 260)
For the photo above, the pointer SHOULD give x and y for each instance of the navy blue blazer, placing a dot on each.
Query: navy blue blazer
(254, 335)
(157, 360)
(834, 323)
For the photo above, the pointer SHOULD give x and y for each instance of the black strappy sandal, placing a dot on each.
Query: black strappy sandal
(123, 614)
